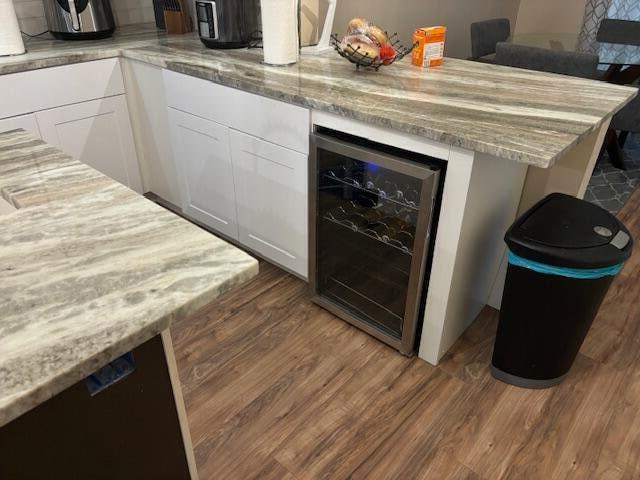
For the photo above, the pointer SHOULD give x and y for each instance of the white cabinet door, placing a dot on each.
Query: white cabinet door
(26, 122)
(272, 120)
(271, 194)
(202, 156)
(97, 133)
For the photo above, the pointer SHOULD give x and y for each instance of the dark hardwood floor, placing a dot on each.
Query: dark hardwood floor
(277, 388)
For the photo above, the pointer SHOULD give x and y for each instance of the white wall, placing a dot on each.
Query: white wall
(30, 16)
(552, 16)
(126, 12)
(404, 17)
(31, 13)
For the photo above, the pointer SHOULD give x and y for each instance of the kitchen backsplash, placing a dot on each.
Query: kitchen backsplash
(31, 13)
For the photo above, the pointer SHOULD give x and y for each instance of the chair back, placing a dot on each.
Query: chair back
(576, 64)
(485, 35)
(628, 119)
(623, 32)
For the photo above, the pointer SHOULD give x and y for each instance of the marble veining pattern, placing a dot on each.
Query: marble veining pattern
(87, 274)
(525, 116)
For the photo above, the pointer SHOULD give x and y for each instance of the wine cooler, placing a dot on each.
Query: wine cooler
(371, 214)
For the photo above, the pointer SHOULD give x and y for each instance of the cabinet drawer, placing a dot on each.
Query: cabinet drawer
(277, 122)
(56, 86)
(271, 195)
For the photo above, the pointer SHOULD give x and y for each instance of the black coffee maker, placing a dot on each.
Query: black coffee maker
(227, 23)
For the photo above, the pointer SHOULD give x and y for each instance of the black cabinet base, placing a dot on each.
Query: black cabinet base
(128, 431)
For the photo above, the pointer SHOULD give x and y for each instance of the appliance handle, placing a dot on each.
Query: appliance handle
(214, 15)
(75, 19)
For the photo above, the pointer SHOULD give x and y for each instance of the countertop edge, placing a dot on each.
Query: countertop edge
(81, 370)
(137, 52)
(61, 61)
(596, 127)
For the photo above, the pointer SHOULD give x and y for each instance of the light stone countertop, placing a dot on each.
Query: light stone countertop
(89, 270)
(520, 115)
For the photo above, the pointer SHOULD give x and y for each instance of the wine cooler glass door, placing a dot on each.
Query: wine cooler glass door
(371, 215)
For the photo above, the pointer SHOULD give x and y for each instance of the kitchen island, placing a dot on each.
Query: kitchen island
(508, 137)
(521, 115)
(91, 277)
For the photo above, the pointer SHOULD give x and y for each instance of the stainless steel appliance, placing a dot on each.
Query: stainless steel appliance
(227, 23)
(79, 19)
(372, 210)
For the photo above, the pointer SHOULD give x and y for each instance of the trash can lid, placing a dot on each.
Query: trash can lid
(564, 231)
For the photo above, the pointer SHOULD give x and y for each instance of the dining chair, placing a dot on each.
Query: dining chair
(627, 120)
(622, 32)
(486, 35)
(576, 64)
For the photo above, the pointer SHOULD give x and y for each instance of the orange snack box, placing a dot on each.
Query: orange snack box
(429, 51)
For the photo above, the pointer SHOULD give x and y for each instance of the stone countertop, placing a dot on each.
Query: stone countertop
(89, 270)
(525, 116)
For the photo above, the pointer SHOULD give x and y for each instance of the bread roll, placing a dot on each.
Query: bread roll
(357, 25)
(378, 35)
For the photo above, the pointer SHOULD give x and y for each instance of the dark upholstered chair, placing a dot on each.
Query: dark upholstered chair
(627, 120)
(576, 64)
(485, 35)
(624, 32)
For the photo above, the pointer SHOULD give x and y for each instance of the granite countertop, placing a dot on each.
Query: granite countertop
(525, 116)
(89, 270)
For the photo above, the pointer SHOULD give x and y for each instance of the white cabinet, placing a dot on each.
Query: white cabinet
(26, 122)
(150, 121)
(98, 133)
(36, 90)
(202, 156)
(271, 197)
(82, 109)
(242, 159)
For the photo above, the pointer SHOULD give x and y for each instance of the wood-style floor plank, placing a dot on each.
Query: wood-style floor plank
(401, 454)
(278, 388)
(538, 457)
(362, 414)
(241, 339)
(226, 394)
(188, 331)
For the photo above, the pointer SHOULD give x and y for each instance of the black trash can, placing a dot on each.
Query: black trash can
(563, 256)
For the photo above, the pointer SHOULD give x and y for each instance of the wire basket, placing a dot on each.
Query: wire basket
(361, 60)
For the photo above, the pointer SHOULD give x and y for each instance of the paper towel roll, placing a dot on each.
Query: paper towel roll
(10, 37)
(280, 31)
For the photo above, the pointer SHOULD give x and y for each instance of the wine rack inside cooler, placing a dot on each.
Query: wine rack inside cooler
(372, 213)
